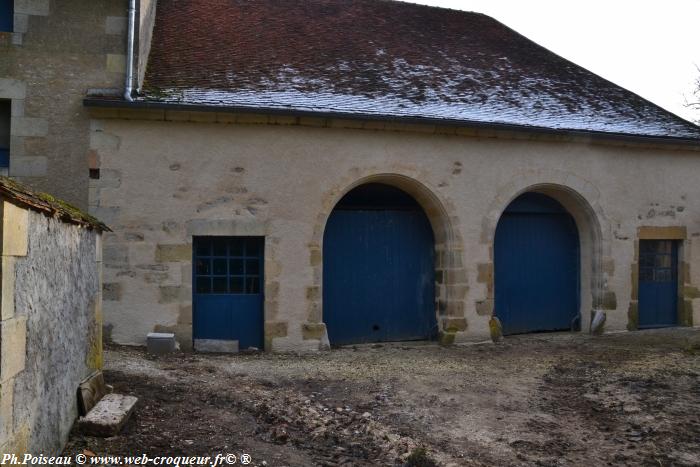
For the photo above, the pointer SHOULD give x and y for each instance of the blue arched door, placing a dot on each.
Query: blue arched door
(378, 268)
(536, 270)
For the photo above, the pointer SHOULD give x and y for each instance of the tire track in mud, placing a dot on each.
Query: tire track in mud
(606, 414)
(227, 414)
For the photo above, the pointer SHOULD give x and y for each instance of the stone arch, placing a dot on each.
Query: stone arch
(580, 199)
(450, 273)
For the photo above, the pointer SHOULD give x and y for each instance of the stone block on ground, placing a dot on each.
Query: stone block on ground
(90, 391)
(598, 322)
(109, 415)
(216, 346)
(160, 343)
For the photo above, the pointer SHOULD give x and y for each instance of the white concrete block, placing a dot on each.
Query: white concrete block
(160, 343)
(215, 345)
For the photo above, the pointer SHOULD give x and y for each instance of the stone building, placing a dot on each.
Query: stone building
(50, 316)
(51, 55)
(328, 172)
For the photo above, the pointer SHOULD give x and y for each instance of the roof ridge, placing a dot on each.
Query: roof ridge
(384, 57)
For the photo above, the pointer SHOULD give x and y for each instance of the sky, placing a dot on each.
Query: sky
(650, 47)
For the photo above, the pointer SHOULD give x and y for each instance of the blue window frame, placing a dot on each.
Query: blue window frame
(5, 133)
(657, 261)
(7, 9)
(228, 265)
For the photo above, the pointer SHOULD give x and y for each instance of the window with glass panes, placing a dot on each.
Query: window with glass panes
(657, 261)
(228, 265)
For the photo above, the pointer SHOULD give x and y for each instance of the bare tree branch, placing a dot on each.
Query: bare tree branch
(694, 102)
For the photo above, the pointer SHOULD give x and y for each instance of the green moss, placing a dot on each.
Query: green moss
(44, 202)
(447, 338)
(158, 93)
(94, 358)
(68, 208)
(691, 292)
(495, 329)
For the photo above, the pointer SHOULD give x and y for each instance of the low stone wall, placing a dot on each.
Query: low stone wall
(50, 327)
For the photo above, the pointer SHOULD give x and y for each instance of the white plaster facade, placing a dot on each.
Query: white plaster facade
(166, 176)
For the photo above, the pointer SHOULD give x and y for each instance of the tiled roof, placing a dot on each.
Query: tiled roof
(24, 196)
(382, 58)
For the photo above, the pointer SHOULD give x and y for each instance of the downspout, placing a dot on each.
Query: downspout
(129, 79)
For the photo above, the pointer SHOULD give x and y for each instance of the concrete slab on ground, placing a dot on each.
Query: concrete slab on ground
(109, 415)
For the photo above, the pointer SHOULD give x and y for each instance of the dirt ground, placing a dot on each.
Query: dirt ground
(550, 399)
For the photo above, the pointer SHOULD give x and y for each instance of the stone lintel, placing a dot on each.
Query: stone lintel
(662, 233)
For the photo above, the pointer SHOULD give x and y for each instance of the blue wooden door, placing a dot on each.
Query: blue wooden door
(378, 276)
(658, 283)
(228, 289)
(536, 268)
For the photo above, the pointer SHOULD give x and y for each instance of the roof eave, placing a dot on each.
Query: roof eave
(600, 135)
(25, 197)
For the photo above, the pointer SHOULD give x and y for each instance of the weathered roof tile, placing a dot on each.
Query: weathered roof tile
(24, 196)
(383, 58)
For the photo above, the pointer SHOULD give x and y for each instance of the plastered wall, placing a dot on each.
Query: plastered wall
(166, 176)
(50, 328)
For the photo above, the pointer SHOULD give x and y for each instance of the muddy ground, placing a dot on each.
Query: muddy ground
(553, 399)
